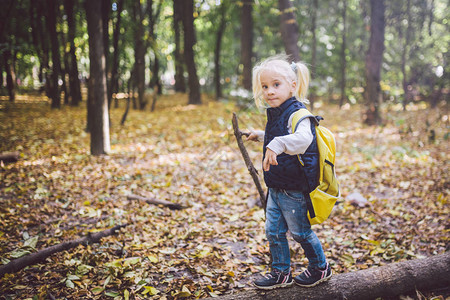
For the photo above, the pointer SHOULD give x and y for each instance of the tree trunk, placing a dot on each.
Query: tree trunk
(90, 106)
(127, 109)
(74, 81)
(97, 81)
(189, 42)
(155, 82)
(387, 281)
(64, 69)
(6, 47)
(106, 9)
(374, 60)
(132, 88)
(43, 46)
(139, 54)
(52, 12)
(289, 29)
(180, 84)
(34, 20)
(220, 31)
(155, 97)
(1, 72)
(405, 54)
(10, 74)
(247, 43)
(115, 61)
(313, 89)
(343, 55)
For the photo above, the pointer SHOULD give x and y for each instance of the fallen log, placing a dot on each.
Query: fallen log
(248, 162)
(387, 281)
(9, 157)
(155, 201)
(34, 258)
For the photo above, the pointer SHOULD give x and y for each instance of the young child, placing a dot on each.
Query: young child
(283, 86)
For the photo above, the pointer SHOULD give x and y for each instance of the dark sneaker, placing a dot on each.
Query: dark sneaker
(313, 276)
(273, 280)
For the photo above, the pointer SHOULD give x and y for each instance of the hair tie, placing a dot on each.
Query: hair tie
(294, 67)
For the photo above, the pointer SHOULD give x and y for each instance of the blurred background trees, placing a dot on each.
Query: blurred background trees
(157, 46)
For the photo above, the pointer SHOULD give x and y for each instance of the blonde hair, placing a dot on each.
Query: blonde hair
(280, 64)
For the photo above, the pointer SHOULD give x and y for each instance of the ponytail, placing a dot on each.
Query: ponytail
(302, 73)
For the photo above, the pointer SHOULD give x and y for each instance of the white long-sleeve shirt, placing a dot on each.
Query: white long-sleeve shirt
(293, 143)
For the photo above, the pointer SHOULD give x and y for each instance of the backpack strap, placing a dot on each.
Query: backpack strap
(300, 115)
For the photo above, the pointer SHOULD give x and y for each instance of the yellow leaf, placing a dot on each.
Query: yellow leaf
(203, 253)
(97, 290)
(150, 290)
(184, 293)
(131, 261)
(152, 258)
(348, 258)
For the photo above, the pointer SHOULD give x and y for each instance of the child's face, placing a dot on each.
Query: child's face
(276, 89)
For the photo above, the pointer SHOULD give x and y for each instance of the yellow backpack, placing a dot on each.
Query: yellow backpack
(324, 196)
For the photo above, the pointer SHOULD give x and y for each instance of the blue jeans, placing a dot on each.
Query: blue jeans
(286, 210)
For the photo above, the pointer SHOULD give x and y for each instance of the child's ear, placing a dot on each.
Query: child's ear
(293, 86)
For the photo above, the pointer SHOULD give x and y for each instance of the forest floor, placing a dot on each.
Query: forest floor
(394, 206)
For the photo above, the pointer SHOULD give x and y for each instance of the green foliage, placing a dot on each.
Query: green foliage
(426, 58)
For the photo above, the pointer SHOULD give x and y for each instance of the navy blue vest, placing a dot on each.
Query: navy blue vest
(288, 174)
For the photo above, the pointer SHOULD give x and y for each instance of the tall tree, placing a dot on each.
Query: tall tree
(189, 56)
(289, 29)
(99, 128)
(41, 44)
(74, 81)
(343, 53)
(1, 73)
(139, 53)
(219, 36)
(247, 43)
(374, 58)
(153, 15)
(313, 89)
(52, 13)
(64, 69)
(115, 60)
(180, 84)
(405, 53)
(8, 55)
(106, 9)
(8, 61)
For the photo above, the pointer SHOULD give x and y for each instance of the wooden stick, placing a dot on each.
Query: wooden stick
(155, 201)
(9, 156)
(34, 258)
(248, 161)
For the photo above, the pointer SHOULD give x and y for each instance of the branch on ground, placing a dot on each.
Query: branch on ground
(155, 201)
(37, 257)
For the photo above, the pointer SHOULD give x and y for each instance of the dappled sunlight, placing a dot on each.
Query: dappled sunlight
(26, 99)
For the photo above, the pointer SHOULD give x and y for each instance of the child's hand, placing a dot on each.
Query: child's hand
(270, 159)
(252, 137)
